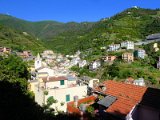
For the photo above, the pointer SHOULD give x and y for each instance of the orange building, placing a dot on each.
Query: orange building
(109, 58)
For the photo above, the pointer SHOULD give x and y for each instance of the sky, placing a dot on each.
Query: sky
(70, 10)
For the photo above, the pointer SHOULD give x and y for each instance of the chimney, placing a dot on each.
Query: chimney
(76, 101)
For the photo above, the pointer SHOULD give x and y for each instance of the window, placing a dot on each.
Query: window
(62, 82)
(67, 98)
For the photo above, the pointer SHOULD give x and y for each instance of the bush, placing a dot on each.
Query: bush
(90, 109)
(152, 80)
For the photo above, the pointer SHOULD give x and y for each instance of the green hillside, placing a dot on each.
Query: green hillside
(132, 24)
(43, 29)
(18, 40)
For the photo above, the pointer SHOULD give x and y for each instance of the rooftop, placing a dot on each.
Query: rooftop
(52, 79)
(121, 98)
(127, 95)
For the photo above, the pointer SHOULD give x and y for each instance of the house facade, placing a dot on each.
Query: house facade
(95, 65)
(60, 88)
(140, 53)
(129, 45)
(109, 58)
(82, 63)
(139, 82)
(113, 47)
(128, 57)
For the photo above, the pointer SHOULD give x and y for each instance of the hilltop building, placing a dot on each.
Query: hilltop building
(128, 57)
(129, 45)
(109, 58)
(140, 53)
(113, 47)
(95, 65)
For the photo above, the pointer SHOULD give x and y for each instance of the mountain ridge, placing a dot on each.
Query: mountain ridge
(42, 29)
(131, 24)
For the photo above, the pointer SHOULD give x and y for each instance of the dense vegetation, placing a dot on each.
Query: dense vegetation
(43, 29)
(120, 70)
(132, 24)
(18, 40)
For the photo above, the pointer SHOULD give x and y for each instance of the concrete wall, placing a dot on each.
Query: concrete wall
(56, 84)
(49, 71)
(39, 95)
(70, 82)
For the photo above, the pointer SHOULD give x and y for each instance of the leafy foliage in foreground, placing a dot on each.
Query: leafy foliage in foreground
(16, 102)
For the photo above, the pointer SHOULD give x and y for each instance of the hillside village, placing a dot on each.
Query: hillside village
(109, 69)
(55, 85)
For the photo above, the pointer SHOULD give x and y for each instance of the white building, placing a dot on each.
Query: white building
(140, 53)
(75, 61)
(45, 71)
(94, 65)
(60, 88)
(113, 47)
(82, 63)
(38, 62)
(129, 45)
(139, 82)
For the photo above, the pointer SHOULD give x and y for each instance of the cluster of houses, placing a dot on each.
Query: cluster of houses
(116, 100)
(56, 81)
(129, 45)
(127, 56)
(52, 78)
(74, 94)
(25, 55)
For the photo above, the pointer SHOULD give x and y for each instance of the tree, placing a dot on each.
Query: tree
(50, 101)
(90, 109)
(14, 70)
(16, 66)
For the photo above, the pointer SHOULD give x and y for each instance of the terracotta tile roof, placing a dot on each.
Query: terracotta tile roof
(72, 109)
(51, 79)
(128, 96)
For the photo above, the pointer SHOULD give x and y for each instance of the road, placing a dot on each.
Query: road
(145, 42)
